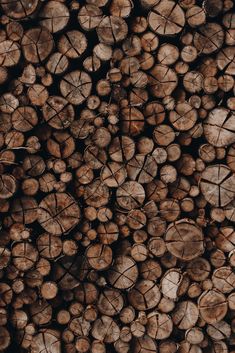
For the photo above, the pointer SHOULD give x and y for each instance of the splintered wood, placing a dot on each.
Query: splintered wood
(117, 176)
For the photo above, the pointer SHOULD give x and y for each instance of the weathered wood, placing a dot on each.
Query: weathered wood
(166, 18)
(58, 213)
(76, 86)
(37, 44)
(181, 244)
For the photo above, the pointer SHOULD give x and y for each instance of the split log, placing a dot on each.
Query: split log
(58, 213)
(184, 240)
(37, 44)
(54, 16)
(76, 87)
(166, 18)
(217, 188)
(18, 10)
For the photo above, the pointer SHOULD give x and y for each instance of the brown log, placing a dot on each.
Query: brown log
(162, 80)
(37, 44)
(176, 240)
(145, 295)
(166, 18)
(112, 29)
(58, 213)
(89, 16)
(54, 16)
(217, 127)
(72, 44)
(58, 112)
(209, 38)
(18, 10)
(159, 326)
(76, 87)
(130, 195)
(210, 303)
(215, 189)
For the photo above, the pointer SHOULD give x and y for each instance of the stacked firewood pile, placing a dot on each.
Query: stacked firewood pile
(117, 184)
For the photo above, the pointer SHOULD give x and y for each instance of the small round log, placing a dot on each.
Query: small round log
(185, 315)
(162, 80)
(130, 195)
(37, 44)
(105, 329)
(9, 53)
(89, 16)
(184, 239)
(145, 295)
(209, 38)
(96, 194)
(217, 185)
(99, 256)
(72, 44)
(212, 306)
(58, 113)
(166, 18)
(219, 127)
(112, 29)
(110, 302)
(76, 87)
(7, 186)
(184, 117)
(18, 10)
(54, 16)
(159, 326)
(24, 210)
(24, 256)
(58, 213)
(123, 273)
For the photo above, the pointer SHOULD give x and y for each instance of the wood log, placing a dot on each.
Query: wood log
(37, 44)
(76, 87)
(58, 213)
(166, 18)
(54, 16)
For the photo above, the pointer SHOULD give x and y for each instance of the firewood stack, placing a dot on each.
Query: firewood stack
(117, 176)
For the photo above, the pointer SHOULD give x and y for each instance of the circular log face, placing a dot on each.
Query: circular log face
(218, 185)
(54, 16)
(130, 195)
(72, 44)
(145, 295)
(209, 38)
(166, 18)
(58, 113)
(213, 306)
(219, 127)
(144, 344)
(9, 53)
(162, 80)
(159, 326)
(185, 315)
(18, 9)
(37, 44)
(7, 186)
(24, 118)
(226, 60)
(183, 117)
(184, 239)
(76, 87)
(58, 213)
(47, 338)
(123, 273)
(89, 17)
(112, 29)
